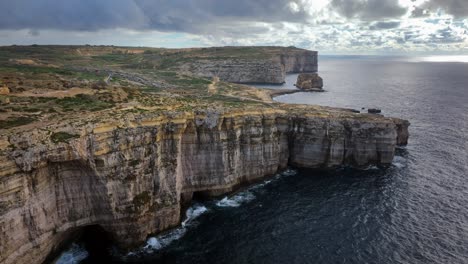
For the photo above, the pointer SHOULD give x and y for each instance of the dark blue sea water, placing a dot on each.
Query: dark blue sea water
(416, 211)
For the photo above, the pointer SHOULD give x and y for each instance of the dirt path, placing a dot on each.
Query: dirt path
(53, 93)
(212, 88)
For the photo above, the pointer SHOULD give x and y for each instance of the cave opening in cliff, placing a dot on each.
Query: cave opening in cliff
(202, 196)
(98, 243)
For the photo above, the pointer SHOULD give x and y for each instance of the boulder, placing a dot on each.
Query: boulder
(309, 81)
(374, 111)
(4, 90)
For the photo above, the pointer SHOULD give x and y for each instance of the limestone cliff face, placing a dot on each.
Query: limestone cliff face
(256, 70)
(132, 176)
(239, 70)
(300, 61)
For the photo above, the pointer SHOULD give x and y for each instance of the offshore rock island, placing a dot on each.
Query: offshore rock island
(124, 138)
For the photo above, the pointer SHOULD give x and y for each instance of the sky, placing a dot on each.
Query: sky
(379, 27)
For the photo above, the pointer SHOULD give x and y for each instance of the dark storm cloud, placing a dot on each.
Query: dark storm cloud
(73, 14)
(368, 9)
(384, 25)
(174, 15)
(419, 12)
(458, 8)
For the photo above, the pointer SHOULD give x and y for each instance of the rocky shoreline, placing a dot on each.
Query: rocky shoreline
(127, 166)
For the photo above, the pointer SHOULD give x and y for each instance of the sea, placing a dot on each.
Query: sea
(415, 211)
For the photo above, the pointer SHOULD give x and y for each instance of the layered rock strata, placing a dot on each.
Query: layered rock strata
(256, 70)
(132, 176)
(309, 81)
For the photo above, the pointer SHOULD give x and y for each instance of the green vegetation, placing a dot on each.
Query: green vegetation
(83, 102)
(62, 137)
(16, 121)
(63, 83)
(34, 69)
(188, 81)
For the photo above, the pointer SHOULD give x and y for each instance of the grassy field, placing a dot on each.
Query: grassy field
(47, 83)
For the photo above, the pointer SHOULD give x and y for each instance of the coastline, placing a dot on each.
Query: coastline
(140, 151)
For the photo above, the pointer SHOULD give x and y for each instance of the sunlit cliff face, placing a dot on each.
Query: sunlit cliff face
(331, 26)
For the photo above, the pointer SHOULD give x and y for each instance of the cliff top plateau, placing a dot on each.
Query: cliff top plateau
(44, 85)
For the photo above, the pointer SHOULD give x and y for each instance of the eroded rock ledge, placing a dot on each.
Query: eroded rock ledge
(132, 176)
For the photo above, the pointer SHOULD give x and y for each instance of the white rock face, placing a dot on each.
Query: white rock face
(133, 180)
(272, 70)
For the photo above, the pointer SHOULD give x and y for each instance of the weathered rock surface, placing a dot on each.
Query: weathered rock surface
(132, 176)
(4, 90)
(256, 70)
(309, 81)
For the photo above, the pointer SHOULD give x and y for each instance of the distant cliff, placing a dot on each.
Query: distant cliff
(263, 68)
(131, 176)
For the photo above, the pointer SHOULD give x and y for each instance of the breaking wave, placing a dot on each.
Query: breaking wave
(236, 200)
(247, 196)
(161, 241)
(74, 255)
(399, 162)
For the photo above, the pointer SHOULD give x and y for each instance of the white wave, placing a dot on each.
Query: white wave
(399, 162)
(236, 200)
(260, 185)
(192, 213)
(289, 172)
(371, 167)
(74, 255)
(164, 240)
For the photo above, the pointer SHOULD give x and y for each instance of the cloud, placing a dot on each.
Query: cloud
(419, 12)
(458, 8)
(447, 35)
(34, 32)
(346, 26)
(70, 15)
(368, 9)
(174, 15)
(384, 25)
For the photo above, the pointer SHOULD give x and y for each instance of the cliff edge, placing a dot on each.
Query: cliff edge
(124, 147)
(132, 176)
(260, 65)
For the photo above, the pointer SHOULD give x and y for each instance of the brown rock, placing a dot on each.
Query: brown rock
(4, 90)
(309, 81)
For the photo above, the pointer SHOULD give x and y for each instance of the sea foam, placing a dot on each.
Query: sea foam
(236, 200)
(74, 255)
(163, 240)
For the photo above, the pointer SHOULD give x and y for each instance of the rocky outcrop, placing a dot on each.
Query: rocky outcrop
(4, 90)
(272, 69)
(132, 176)
(309, 81)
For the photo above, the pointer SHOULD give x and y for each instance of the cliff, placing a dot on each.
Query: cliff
(132, 175)
(123, 138)
(257, 68)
